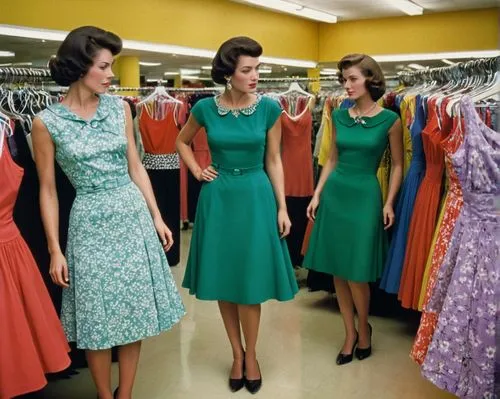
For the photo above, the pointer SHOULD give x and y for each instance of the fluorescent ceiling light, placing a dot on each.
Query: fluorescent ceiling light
(16, 64)
(328, 71)
(416, 66)
(436, 56)
(7, 54)
(295, 9)
(448, 61)
(207, 67)
(187, 71)
(149, 63)
(21, 31)
(408, 7)
(171, 73)
(265, 70)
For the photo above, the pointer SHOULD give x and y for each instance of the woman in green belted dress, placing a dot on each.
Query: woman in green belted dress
(118, 288)
(238, 256)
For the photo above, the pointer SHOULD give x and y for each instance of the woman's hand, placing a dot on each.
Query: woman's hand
(284, 223)
(388, 216)
(208, 174)
(164, 233)
(312, 208)
(59, 270)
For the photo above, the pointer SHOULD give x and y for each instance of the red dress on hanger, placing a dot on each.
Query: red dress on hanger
(296, 154)
(425, 213)
(453, 206)
(32, 341)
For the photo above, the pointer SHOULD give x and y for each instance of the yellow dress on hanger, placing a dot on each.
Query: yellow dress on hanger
(407, 108)
(326, 140)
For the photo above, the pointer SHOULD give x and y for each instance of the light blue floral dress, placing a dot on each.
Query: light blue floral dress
(121, 288)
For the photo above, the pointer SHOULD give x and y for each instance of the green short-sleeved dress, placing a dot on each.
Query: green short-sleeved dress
(121, 289)
(236, 254)
(348, 238)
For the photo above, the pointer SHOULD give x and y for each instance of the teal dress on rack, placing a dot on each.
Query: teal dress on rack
(236, 253)
(121, 289)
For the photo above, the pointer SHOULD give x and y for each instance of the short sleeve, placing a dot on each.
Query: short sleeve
(198, 113)
(273, 112)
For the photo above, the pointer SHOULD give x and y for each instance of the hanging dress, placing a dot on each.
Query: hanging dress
(32, 341)
(121, 289)
(452, 208)
(236, 254)
(405, 204)
(425, 213)
(163, 166)
(461, 356)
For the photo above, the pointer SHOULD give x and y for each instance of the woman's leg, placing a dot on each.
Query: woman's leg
(250, 321)
(229, 313)
(128, 358)
(361, 297)
(344, 298)
(100, 367)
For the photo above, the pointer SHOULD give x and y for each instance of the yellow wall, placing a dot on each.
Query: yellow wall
(454, 31)
(194, 23)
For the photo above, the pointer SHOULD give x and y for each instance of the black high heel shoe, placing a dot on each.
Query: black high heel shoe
(235, 384)
(253, 386)
(363, 353)
(344, 359)
(115, 394)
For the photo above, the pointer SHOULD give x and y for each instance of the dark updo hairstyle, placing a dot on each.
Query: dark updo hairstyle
(76, 53)
(225, 61)
(375, 80)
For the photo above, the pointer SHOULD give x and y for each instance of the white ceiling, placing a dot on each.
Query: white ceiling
(363, 9)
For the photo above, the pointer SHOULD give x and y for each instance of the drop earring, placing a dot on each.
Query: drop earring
(229, 86)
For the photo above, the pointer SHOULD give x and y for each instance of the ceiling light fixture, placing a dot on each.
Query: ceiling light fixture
(448, 61)
(207, 67)
(188, 71)
(151, 64)
(328, 71)
(21, 31)
(436, 56)
(7, 54)
(408, 7)
(171, 73)
(295, 9)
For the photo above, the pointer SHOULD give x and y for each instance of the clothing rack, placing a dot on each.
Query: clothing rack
(171, 89)
(24, 75)
(462, 70)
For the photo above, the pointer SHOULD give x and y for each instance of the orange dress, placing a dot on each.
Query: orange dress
(425, 213)
(453, 206)
(297, 154)
(32, 341)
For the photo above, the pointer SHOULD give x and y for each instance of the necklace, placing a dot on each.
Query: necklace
(359, 116)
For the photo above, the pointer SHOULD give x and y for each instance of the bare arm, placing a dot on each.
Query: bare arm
(44, 151)
(140, 177)
(183, 144)
(396, 146)
(274, 167)
(330, 164)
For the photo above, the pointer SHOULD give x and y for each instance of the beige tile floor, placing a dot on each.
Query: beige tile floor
(298, 344)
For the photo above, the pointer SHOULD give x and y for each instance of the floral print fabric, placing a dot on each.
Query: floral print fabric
(121, 288)
(461, 356)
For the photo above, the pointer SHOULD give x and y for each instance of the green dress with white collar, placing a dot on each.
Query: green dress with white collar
(121, 288)
(348, 238)
(236, 253)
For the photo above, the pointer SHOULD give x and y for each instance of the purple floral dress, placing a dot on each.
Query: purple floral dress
(461, 357)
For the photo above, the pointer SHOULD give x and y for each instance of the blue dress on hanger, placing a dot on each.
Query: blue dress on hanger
(406, 201)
